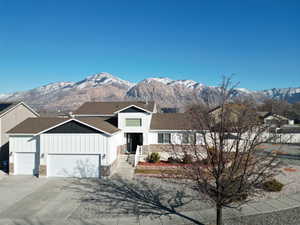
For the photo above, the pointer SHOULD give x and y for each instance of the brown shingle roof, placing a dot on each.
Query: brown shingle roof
(170, 121)
(37, 125)
(109, 108)
(103, 124)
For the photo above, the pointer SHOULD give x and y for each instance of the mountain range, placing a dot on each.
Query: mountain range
(66, 96)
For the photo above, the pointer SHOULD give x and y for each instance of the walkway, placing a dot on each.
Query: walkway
(124, 168)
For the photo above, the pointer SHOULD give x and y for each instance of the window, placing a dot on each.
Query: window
(164, 138)
(133, 122)
(188, 138)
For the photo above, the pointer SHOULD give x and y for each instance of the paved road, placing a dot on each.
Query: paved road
(42, 201)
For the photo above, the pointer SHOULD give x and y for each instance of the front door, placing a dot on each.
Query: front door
(133, 140)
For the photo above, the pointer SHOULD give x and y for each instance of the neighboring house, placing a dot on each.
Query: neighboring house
(274, 120)
(277, 120)
(88, 143)
(11, 114)
(231, 110)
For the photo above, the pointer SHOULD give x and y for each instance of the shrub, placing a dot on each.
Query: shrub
(273, 185)
(187, 159)
(173, 160)
(154, 157)
(204, 161)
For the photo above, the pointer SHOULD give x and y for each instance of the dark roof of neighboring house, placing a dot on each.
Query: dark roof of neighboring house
(5, 106)
(263, 114)
(37, 125)
(109, 108)
(170, 121)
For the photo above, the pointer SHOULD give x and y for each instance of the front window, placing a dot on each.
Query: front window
(133, 122)
(188, 138)
(164, 138)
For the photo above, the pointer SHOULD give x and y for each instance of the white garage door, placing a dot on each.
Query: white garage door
(67, 165)
(24, 163)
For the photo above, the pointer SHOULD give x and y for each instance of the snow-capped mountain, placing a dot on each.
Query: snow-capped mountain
(178, 93)
(102, 79)
(288, 94)
(62, 96)
(167, 81)
(164, 80)
(65, 96)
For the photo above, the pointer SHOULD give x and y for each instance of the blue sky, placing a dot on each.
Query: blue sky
(66, 40)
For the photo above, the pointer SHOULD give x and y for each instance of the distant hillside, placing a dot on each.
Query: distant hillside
(66, 96)
(288, 94)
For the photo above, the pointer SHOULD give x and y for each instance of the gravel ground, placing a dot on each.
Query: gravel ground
(290, 177)
(286, 217)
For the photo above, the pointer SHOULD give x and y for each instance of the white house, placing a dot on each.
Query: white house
(88, 143)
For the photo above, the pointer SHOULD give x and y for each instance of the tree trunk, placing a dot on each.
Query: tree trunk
(219, 214)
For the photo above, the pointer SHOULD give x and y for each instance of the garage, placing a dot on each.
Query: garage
(25, 163)
(73, 165)
(64, 147)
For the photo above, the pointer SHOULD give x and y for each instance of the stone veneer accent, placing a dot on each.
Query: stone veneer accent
(107, 170)
(11, 169)
(43, 170)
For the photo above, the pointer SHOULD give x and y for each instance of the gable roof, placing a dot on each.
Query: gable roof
(276, 117)
(103, 124)
(40, 125)
(170, 121)
(110, 108)
(5, 107)
(36, 125)
(263, 114)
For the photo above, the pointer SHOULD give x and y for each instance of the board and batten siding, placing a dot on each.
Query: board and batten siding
(77, 144)
(23, 143)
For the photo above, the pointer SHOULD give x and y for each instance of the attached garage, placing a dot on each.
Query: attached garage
(62, 147)
(72, 165)
(26, 163)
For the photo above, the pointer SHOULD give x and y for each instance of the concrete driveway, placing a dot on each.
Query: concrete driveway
(26, 200)
(36, 200)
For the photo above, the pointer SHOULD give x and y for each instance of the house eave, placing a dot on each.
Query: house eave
(127, 107)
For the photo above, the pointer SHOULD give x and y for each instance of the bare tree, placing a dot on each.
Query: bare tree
(226, 168)
(275, 106)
